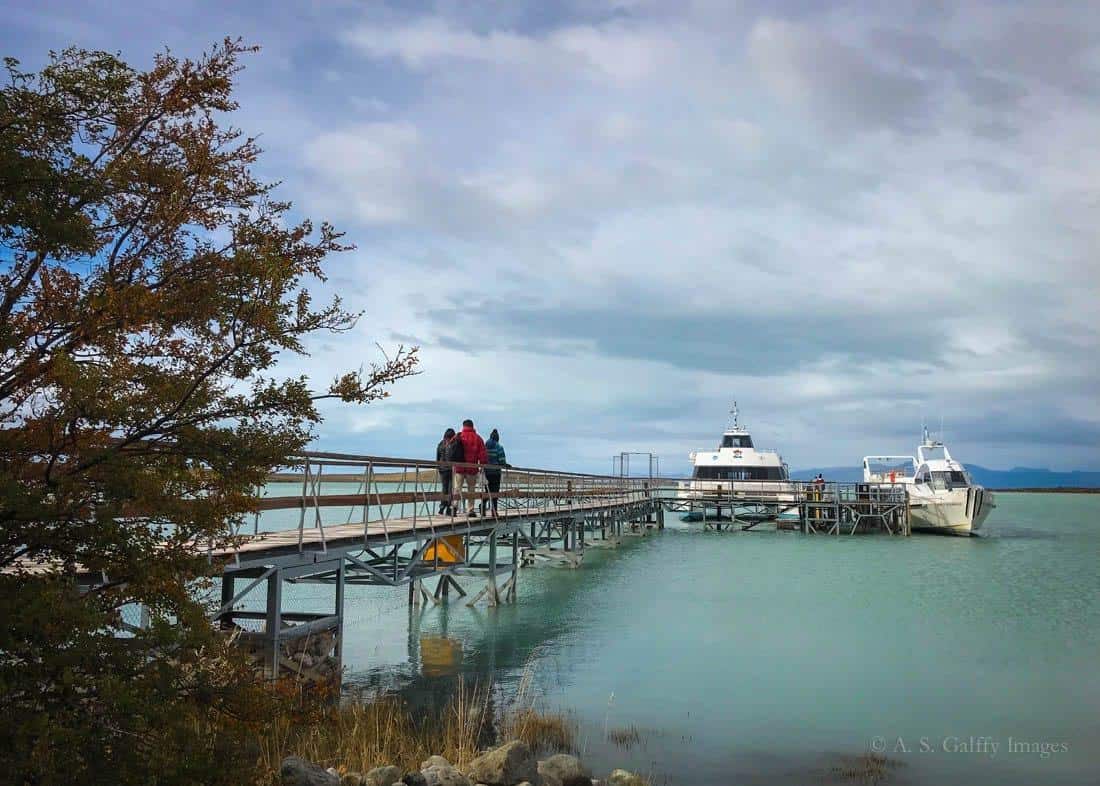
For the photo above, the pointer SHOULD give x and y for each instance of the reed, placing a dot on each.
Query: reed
(541, 731)
(868, 768)
(528, 720)
(359, 735)
(625, 738)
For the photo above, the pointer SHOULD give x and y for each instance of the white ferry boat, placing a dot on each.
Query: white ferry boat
(736, 468)
(942, 496)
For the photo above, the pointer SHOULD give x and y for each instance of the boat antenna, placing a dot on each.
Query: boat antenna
(734, 413)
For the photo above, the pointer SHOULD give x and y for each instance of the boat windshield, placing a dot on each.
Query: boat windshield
(933, 452)
(950, 479)
(736, 441)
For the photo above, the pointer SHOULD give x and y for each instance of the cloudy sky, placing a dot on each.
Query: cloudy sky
(603, 221)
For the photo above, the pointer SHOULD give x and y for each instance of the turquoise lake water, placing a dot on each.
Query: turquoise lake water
(768, 657)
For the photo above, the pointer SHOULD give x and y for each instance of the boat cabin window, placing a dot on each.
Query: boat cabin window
(933, 452)
(740, 473)
(736, 441)
(949, 480)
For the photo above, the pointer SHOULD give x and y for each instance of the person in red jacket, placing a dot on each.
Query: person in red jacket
(475, 453)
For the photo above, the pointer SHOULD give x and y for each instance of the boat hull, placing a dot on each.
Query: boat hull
(958, 512)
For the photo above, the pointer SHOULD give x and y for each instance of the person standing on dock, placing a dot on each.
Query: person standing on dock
(497, 460)
(442, 453)
(473, 447)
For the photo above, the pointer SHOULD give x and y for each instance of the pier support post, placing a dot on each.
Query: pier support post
(274, 618)
(227, 596)
(340, 616)
(494, 595)
(660, 517)
(515, 567)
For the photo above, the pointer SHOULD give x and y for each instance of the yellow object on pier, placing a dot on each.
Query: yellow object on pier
(448, 550)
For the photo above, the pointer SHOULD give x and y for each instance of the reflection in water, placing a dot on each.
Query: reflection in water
(440, 656)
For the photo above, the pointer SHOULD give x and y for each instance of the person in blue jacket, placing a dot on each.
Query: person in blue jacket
(497, 460)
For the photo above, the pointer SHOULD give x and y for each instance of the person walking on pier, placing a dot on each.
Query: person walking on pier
(442, 453)
(473, 447)
(497, 459)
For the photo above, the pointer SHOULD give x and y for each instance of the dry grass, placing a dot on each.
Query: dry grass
(869, 768)
(625, 738)
(527, 720)
(360, 735)
(541, 731)
(357, 736)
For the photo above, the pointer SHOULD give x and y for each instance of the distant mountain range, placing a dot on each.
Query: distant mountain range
(1015, 478)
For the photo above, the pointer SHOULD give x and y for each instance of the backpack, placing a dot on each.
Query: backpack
(456, 452)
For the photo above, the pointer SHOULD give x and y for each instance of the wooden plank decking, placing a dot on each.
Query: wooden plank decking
(342, 537)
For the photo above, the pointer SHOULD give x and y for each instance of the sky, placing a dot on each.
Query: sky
(603, 222)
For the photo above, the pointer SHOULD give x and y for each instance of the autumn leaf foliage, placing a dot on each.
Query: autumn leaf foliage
(149, 284)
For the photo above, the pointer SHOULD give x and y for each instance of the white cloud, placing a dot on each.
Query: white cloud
(603, 221)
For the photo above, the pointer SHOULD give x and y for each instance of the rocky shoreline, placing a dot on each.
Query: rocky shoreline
(511, 764)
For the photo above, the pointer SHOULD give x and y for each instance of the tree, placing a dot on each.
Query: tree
(149, 285)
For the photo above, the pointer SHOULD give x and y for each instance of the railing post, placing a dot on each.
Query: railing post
(317, 506)
(302, 516)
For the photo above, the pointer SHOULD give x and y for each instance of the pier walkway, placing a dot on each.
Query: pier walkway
(345, 519)
(374, 520)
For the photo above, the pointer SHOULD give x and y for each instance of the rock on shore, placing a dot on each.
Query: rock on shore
(511, 764)
(624, 778)
(296, 771)
(566, 770)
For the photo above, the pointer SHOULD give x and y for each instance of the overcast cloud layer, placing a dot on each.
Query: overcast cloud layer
(602, 222)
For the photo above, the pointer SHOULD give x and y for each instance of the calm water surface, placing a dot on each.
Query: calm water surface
(767, 657)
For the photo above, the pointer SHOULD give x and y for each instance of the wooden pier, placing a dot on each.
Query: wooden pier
(388, 532)
(812, 508)
(366, 520)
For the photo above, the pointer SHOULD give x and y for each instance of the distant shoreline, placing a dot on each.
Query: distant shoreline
(1052, 490)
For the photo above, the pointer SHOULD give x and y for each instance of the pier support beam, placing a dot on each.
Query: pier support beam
(228, 584)
(339, 652)
(515, 567)
(274, 619)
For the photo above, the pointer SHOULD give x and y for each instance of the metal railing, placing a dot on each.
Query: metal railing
(709, 490)
(385, 496)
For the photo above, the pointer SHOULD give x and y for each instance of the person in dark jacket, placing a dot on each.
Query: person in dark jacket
(474, 453)
(495, 451)
(445, 479)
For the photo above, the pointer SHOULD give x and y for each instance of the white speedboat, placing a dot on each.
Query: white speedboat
(942, 496)
(738, 476)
